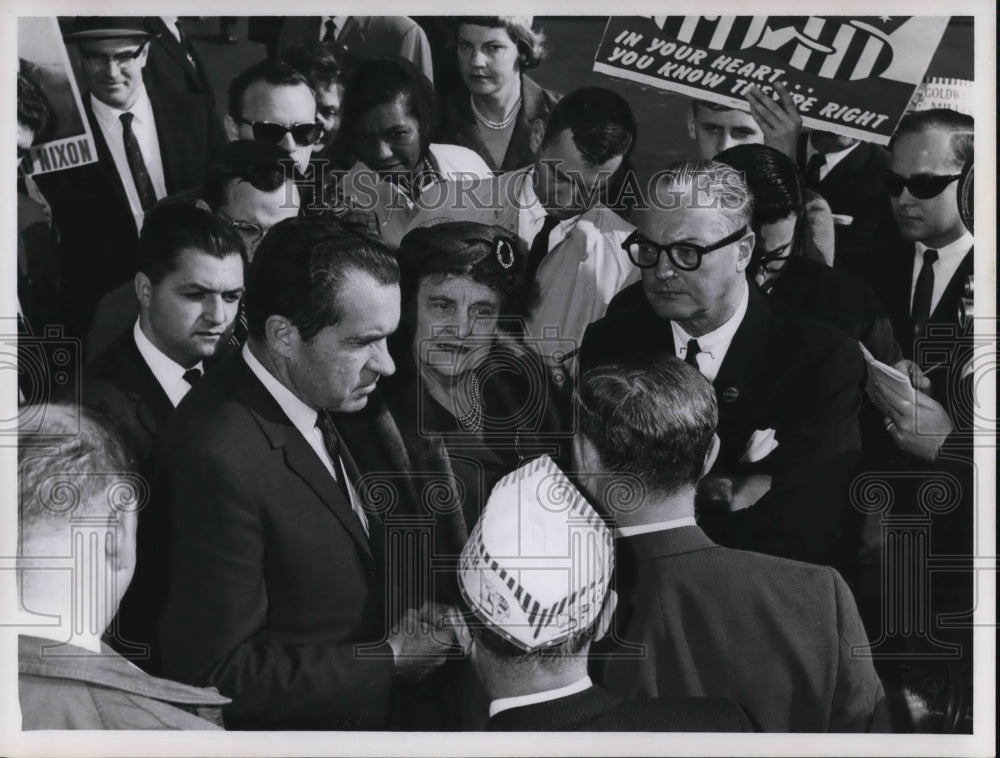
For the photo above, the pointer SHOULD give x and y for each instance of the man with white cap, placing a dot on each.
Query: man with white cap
(534, 576)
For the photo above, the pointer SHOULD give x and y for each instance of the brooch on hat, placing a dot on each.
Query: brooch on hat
(504, 252)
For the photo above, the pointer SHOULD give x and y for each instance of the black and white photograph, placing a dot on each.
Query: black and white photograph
(609, 384)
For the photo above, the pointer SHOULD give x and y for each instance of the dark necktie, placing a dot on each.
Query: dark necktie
(331, 441)
(813, 168)
(136, 164)
(330, 35)
(240, 328)
(192, 376)
(691, 357)
(923, 293)
(540, 245)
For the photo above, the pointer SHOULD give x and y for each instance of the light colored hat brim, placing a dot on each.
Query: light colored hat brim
(99, 34)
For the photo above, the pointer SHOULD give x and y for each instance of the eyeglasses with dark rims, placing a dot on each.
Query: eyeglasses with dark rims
(685, 256)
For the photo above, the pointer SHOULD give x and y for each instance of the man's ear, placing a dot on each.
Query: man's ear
(462, 633)
(143, 290)
(587, 465)
(713, 453)
(746, 251)
(199, 203)
(281, 335)
(607, 613)
(232, 128)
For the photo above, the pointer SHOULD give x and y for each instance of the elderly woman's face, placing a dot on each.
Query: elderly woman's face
(487, 59)
(456, 320)
(387, 139)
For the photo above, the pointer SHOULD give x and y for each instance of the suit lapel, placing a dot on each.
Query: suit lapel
(353, 36)
(175, 50)
(153, 406)
(945, 309)
(105, 162)
(299, 455)
(170, 136)
(532, 105)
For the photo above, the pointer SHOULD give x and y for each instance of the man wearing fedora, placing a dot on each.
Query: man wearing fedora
(149, 142)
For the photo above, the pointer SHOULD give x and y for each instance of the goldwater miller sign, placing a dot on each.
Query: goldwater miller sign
(853, 75)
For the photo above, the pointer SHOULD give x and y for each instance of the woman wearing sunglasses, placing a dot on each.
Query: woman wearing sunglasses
(387, 118)
(780, 267)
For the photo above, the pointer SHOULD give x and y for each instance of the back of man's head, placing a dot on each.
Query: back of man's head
(171, 229)
(300, 268)
(70, 465)
(652, 421)
(601, 122)
(772, 178)
(271, 71)
(959, 126)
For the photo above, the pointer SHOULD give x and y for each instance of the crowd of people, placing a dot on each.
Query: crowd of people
(405, 406)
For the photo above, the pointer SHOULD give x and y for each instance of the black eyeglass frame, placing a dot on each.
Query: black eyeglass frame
(122, 60)
(700, 250)
(314, 126)
(921, 186)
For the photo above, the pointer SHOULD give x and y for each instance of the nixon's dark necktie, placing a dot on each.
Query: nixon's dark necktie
(330, 35)
(136, 164)
(540, 245)
(691, 357)
(192, 376)
(813, 168)
(331, 441)
(923, 293)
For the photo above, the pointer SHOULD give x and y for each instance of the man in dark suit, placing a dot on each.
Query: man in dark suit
(363, 36)
(782, 638)
(150, 143)
(789, 387)
(850, 175)
(288, 613)
(922, 280)
(173, 61)
(534, 575)
(188, 289)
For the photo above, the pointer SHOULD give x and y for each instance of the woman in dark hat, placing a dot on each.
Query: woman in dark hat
(463, 375)
(500, 112)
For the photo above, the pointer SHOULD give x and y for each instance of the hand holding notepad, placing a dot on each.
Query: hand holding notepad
(883, 372)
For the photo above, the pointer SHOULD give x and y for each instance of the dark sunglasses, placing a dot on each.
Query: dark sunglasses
(304, 134)
(921, 186)
(685, 256)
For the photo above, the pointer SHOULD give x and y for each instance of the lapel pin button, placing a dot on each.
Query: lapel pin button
(730, 394)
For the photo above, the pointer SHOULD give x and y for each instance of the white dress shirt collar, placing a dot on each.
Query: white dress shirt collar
(832, 159)
(532, 215)
(506, 703)
(301, 415)
(715, 344)
(141, 110)
(949, 259)
(657, 526)
(168, 373)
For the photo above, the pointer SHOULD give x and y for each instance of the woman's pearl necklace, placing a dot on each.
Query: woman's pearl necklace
(495, 125)
(473, 420)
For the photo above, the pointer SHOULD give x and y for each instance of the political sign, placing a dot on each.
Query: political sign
(944, 92)
(53, 131)
(853, 75)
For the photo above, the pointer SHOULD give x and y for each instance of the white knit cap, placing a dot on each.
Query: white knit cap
(536, 567)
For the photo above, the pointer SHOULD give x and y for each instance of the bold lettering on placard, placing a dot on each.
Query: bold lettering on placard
(625, 37)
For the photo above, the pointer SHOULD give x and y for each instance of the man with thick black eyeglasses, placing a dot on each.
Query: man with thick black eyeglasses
(788, 386)
(150, 143)
(921, 281)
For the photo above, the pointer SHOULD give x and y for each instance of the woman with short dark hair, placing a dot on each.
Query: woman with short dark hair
(501, 113)
(387, 118)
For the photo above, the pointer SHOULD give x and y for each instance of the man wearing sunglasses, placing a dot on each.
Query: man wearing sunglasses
(272, 102)
(922, 281)
(149, 143)
(788, 386)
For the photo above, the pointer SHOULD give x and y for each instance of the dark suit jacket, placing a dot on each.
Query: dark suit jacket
(595, 710)
(772, 634)
(121, 385)
(91, 211)
(458, 126)
(168, 66)
(784, 372)
(856, 187)
(274, 593)
(944, 340)
(367, 37)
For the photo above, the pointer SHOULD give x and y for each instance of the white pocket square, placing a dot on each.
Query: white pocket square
(761, 444)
